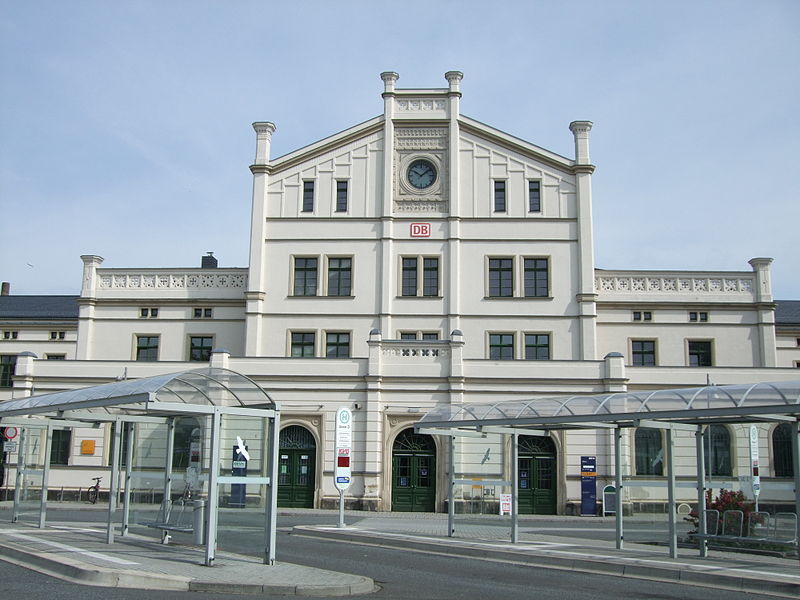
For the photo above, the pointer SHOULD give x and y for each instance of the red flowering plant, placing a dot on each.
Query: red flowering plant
(725, 500)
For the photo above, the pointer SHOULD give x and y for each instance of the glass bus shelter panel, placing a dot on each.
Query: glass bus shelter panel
(481, 458)
(32, 456)
(243, 449)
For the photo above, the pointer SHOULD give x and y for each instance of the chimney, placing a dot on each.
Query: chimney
(6, 289)
(208, 261)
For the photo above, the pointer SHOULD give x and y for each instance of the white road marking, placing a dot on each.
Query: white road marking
(104, 557)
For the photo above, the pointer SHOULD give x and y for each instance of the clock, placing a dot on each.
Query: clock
(421, 174)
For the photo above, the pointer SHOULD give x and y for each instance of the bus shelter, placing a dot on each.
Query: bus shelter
(689, 412)
(207, 435)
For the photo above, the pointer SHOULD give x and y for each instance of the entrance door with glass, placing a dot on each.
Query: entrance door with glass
(296, 460)
(413, 473)
(537, 475)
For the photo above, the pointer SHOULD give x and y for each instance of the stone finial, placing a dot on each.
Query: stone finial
(454, 79)
(581, 129)
(264, 131)
(389, 79)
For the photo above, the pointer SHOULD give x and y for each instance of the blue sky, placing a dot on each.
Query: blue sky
(125, 127)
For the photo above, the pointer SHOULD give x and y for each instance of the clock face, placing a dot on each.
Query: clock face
(421, 174)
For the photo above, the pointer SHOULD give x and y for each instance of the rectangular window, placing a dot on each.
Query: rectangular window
(701, 317)
(410, 283)
(536, 278)
(430, 336)
(341, 196)
(305, 276)
(58, 335)
(60, 448)
(337, 345)
(10, 335)
(203, 313)
(430, 276)
(200, 347)
(303, 344)
(308, 196)
(55, 357)
(537, 346)
(499, 196)
(408, 335)
(501, 277)
(8, 363)
(700, 354)
(147, 347)
(642, 315)
(339, 276)
(643, 353)
(534, 196)
(409, 277)
(501, 346)
(146, 313)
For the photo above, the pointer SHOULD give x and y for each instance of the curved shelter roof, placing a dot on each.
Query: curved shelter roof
(208, 387)
(727, 403)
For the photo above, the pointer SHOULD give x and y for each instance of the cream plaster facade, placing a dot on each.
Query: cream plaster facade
(502, 253)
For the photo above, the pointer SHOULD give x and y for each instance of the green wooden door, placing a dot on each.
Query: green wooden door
(413, 473)
(537, 475)
(296, 460)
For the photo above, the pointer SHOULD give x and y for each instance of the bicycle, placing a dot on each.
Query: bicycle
(94, 491)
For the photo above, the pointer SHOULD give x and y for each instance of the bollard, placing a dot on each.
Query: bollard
(199, 521)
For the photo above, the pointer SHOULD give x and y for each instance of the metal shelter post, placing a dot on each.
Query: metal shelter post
(272, 498)
(451, 485)
(514, 488)
(796, 464)
(21, 454)
(113, 486)
(618, 483)
(48, 446)
(126, 498)
(701, 491)
(673, 534)
(213, 488)
(168, 463)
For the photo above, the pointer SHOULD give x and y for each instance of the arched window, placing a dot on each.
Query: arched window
(649, 452)
(717, 448)
(782, 450)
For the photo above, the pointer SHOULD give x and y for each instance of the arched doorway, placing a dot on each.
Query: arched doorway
(296, 460)
(413, 472)
(537, 475)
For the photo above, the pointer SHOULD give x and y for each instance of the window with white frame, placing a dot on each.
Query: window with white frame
(58, 335)
(203, 313)
(642, 315)
(340, 275)
(499, 195)
(537, 346)
(534, 196)
(305, 275)
(308, 196)
(303, 344)
(10, 335)
(341, 196)
(696, 316)
(419, 276)
(148, 313)
(501, 346)
(337, 344)
(517, 276)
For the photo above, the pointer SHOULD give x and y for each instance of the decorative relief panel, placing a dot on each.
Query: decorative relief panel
(703, 285)
(407, 352)
(429, 143)
(420, 104)
(172, 280)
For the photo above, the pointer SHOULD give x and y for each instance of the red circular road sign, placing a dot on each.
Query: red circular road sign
(10, 432)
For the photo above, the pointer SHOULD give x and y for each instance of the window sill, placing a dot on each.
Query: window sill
(419, 297)
(518, 298)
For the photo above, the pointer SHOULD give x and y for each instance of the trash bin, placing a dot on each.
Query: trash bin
(199, 521)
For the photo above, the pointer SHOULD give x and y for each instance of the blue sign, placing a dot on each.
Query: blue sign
(588, 485)
(342, 480)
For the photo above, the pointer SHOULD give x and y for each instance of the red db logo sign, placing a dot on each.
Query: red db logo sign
(420, 230)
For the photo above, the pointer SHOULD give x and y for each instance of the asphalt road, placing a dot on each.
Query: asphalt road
(402, 575)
